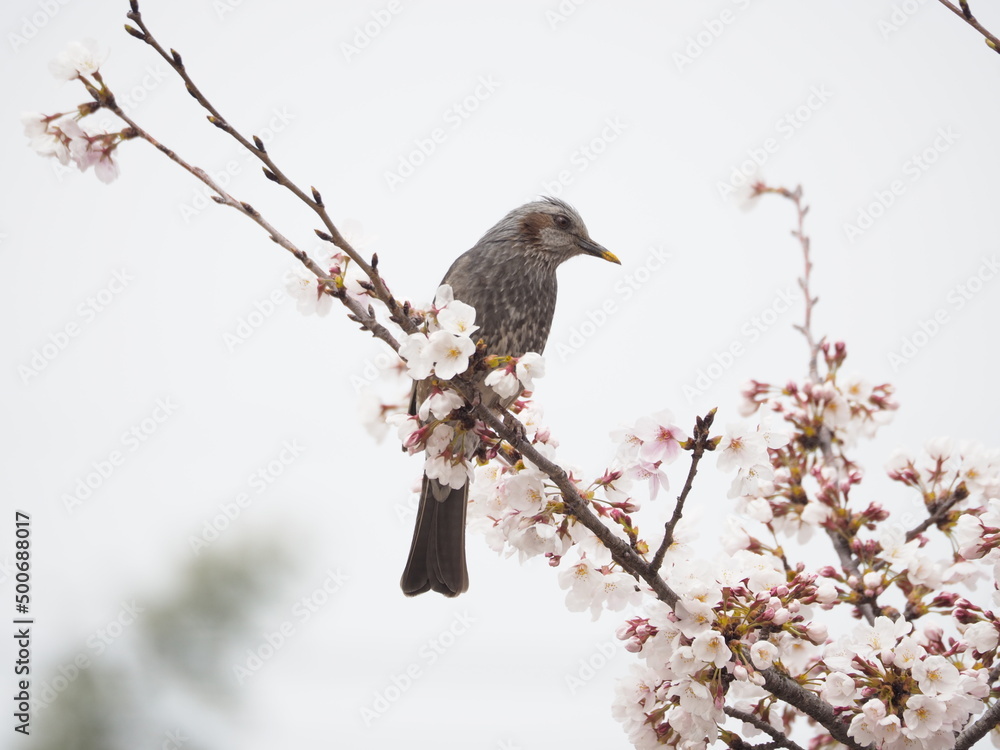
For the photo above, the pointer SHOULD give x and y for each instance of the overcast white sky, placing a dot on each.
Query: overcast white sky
(635, 112)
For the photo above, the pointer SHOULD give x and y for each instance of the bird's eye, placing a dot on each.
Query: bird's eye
(562, 221)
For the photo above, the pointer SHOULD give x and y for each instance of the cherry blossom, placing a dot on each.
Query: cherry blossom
(78, 59)
(935, 675)
(450, 353)
(529, 367)
(440, 403)
(741, 447)
(303, 287)
(660, 437)
(458, 318)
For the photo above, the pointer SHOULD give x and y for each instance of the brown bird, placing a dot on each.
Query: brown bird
(509, 277)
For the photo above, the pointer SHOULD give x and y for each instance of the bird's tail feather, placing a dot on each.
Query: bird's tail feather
(437, 552)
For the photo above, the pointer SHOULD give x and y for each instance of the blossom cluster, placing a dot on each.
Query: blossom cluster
(61, 135)
(891, 684)
(644, 451)
(521, 511)
(824, 416)
(437, 354)
(445, 348)
(735, 618)
(906, 688)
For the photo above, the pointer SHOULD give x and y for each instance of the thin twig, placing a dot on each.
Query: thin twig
(795, 196)
(779, 738)
(313, 200)
(966, 15)
(701, 441)
(360, 313)
(939, 514)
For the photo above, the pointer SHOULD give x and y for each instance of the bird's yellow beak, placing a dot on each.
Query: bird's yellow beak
(592, 248)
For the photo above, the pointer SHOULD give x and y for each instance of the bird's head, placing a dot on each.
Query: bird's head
(551, 231)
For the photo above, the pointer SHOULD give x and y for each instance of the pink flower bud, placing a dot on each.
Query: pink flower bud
(872, 580)
(625, 631)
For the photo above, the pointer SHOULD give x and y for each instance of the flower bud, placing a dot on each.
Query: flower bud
(817, 632)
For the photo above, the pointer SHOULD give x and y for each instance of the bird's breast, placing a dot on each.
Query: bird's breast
(513, 310)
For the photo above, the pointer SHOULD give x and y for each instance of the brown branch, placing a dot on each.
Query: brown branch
(939, 513)
(364, 316)
(966, 15)
(271, 170)
(994, 674)
(576, 505)
(780, 740)
(701, 441)
(795, 196)
(977, 731)
(806, 701)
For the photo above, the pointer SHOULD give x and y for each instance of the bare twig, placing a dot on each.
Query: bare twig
(795, 196)
(701, 441)
(364, 316)
(939, 512)
(780, 740)
(271, 170)
(966, 15)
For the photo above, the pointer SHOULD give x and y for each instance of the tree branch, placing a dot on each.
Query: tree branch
(806, 701)
(701, 441)
(979, 729)
(274, 173)
(621, 552)
(966, 15)
(364, 316)
(939, 513)
(780, 740)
